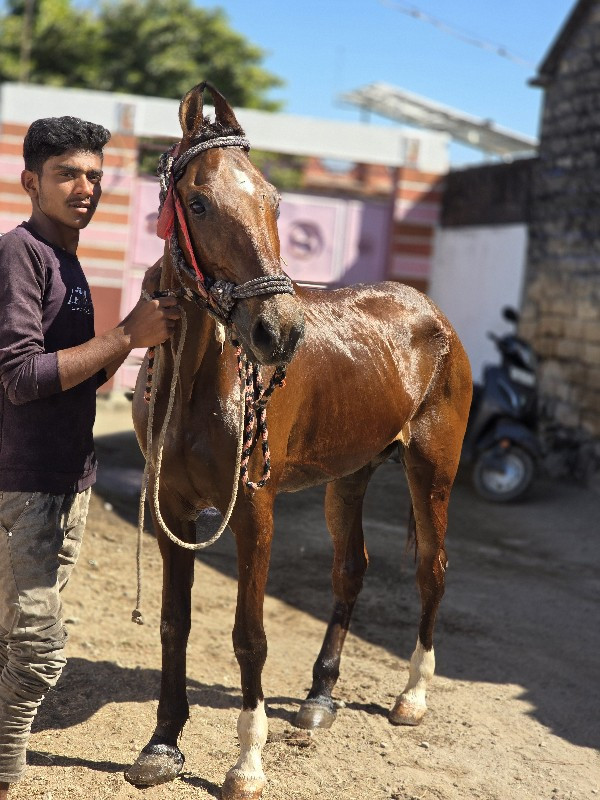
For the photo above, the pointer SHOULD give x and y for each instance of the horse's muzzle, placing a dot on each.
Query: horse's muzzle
(275, 344)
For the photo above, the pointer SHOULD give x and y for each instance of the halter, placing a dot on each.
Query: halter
(217, 297)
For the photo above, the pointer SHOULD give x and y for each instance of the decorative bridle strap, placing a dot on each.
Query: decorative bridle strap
(220, 297)
(171, 165)
(217, 297)
(256, 398)
(180, 162)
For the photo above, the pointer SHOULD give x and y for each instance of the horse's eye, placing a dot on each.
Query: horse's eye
(197, 206)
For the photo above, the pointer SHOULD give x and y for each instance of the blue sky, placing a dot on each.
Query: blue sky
(324, 47)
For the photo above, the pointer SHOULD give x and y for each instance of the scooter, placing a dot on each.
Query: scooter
(501, 441)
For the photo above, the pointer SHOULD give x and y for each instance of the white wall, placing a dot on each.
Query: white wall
(476, 271)
(281, 133)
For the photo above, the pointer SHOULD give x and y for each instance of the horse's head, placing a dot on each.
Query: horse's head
(231, 215)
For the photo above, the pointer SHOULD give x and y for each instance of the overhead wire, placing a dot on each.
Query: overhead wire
(492, 47)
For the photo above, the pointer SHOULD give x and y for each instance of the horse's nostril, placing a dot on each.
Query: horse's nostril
(264, 337)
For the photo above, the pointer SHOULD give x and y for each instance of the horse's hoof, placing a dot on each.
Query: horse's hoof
(315, 714)
(238, 787)
(157, 763)
(405, 713)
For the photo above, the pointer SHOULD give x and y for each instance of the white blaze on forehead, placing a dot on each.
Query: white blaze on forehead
(245, 181)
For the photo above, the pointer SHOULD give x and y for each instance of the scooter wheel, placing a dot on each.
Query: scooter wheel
(503, 475)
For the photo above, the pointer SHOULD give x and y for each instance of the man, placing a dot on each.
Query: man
(51, 364)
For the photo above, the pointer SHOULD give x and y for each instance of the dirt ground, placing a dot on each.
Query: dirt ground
(513, 708)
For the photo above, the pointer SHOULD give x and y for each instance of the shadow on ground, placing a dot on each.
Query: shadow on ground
(522, 585)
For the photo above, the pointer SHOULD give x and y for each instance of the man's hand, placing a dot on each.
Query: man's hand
(151, 322)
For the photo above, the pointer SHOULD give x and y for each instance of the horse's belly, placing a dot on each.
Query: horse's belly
(324, 455)
(303, 476)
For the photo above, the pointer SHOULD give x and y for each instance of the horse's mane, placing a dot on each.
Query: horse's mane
(216, 129)
(210, 130)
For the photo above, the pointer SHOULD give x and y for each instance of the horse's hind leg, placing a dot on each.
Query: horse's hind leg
(431, 460)
(343, 512)
(161, 759)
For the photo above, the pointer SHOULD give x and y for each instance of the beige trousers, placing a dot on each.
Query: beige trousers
(40, 539)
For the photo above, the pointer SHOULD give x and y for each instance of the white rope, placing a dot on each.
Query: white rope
(137, 614)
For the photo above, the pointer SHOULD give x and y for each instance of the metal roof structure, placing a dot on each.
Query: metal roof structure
(397, 104)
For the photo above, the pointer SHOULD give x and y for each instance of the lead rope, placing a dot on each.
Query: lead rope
(136, 615)
(218, 299)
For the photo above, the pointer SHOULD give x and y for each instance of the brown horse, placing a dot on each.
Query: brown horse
(369, 369)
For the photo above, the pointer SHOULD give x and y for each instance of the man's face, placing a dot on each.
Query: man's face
(68, 190)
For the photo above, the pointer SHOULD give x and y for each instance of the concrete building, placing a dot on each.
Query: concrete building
(480, 252)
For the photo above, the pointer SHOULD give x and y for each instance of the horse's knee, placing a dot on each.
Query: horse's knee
(174, 631)
(250, 648)
(431, 570)
(347, 579)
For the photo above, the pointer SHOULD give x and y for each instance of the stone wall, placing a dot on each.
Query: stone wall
(488, 194)
(561, 312)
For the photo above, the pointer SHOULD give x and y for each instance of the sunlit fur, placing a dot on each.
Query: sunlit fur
(376, 368)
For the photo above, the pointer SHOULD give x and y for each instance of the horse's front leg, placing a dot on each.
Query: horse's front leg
(253, 528)
(161, 760)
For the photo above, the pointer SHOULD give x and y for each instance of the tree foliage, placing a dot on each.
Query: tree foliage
(159, 48)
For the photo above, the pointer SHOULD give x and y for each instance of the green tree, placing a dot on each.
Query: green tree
(64, 46)
(151, 47)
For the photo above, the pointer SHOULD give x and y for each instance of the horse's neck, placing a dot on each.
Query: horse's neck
(200, 345)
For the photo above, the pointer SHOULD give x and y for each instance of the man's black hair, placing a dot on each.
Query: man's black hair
(56, 135)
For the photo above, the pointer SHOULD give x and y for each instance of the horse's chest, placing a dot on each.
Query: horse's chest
(206, 438)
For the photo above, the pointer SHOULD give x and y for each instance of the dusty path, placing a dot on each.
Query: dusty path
(514, 706)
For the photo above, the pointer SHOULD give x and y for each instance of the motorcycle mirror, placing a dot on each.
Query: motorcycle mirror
(510, 314)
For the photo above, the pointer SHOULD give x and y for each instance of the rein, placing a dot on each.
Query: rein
(218, 298)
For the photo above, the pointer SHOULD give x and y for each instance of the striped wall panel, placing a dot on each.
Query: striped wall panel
(104, 245)
(417, 204)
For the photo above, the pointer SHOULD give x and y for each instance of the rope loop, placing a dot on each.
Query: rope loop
(253, 399)
(218, 298)
(255, 416)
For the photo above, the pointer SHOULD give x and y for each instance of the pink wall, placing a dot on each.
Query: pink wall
(323, 240)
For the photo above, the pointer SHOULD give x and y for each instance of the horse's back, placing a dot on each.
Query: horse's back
(379, 328)
(369, 359)
(390, 309)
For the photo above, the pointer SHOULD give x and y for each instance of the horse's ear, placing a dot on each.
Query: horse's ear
(190, 111)
(223, 112)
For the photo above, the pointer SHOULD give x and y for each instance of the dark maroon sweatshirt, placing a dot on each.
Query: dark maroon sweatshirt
(46, 442)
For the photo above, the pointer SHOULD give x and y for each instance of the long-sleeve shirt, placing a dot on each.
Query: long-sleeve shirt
(46, 441)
